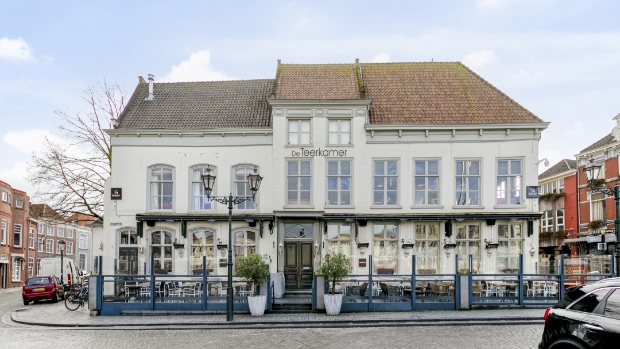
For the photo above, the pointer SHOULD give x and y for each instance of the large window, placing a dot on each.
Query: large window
(339, 182)
(339, 239)
(4, 232)
(510, 239)
(49, 246)
(299, 181)
(385, 187)
(339, 132)
(30, 266)
(385, 250)
(161, 188)
(546, 221)
(82, 262)
(19, 202)
(245, 243)
(40, 244)
(17, 269)
(559, 219)
(468, 242)
(128, 252)
(69, 247)
(468, 183)
(198, 195)
(427, 248)
(241, 186)
(70, 233)
(161, 250)
(508, 189)
(129, 237)
(83, 242)
(40, 229)
(50, 230)
(31, 238)
(299, 131)
(202, 245)
(426, 182)
(597, 206)
(60, 232)
(17, 235)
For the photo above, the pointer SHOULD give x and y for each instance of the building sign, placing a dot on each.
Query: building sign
(318, 152)
(609, 237)
(531, 192)
(116, 224)
(117, 193)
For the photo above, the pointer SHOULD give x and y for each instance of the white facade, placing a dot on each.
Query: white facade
(268, 150)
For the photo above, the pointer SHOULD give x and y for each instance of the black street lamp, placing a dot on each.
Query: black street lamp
(208, 180)
(592, 174)
(61, 247)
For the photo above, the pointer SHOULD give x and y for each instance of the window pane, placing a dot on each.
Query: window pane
(304, 198)
(433, 183)
(167, 238)
(433, 198)
(167, 174)
(345, 183)
(292, 168)
(392, 183)
(392, 198)
(332, 167)
(167, 188)
(474, 232)
(419, 183)
(515, 167)
(293, 125)
(345, 167)
(251, 237)
(332, 231)
(333, 138)
(332, 183)
(378, 198)
(333, 125)
(345, 138)
(292, 198)
(305, 125)
(420, 168)
(474, 168)
(392, 168)
(293, 138)
(420, 198)
(345, 198)
(305, 183)
(345, 125)
(502, 167)
(292, 183)
(156, 174)
(156, 238)
(305, 138)
(379, 168)
(433, 167)
(305, 167)
(502, 232)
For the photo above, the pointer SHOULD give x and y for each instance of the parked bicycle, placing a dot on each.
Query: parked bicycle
(76, 297)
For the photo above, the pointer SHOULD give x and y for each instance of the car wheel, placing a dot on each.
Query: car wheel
(26, 302)
(55, 300)
(566, 344)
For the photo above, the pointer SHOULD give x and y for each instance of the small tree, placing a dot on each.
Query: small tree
(335, 268)
(253, 269)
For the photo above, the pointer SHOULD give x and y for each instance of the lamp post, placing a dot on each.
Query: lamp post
(208, 180)
(592, 174)
(61, 247)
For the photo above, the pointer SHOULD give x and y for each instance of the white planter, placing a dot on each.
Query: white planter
(332, 303)
(257, 305)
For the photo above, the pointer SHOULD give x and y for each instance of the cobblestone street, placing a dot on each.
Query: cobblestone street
(481, 336)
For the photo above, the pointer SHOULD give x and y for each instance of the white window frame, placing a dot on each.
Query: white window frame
(600, 200)
(69, 248)
(18, 230)
(82, 260)
(202, 248)
(384, 259)
(160, 182)
(38, 266)
(339, 178)
(463, 262)
(58, 248)
(40, 229)
(249, 205)
(49, 246)
(201, 198)
(336, 243)
(507, 245)
(60, 232)
(425, 259)
(5, 196)
(19, 202)
(510, 176)
(83, 242)
(298, 179)
(244, 247)
(50, 229)
(163, 245)
(339, 132)
(17, 270)
(70, 233)
(546, 222)
(289, 121)
(465, 202)
(40, 243)
(5, 227)
(386, 177)
(30, 266)
(426, 177)
(31, 238)
(559, 216)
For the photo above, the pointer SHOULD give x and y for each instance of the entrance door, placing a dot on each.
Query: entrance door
(128, 260)
(298, 264)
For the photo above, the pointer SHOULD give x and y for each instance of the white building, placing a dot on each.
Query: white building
(383, 155)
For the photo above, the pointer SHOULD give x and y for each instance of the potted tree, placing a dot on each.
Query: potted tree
(254, 269)
(334, 268)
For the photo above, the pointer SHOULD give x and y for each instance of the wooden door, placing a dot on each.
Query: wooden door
(298, 265)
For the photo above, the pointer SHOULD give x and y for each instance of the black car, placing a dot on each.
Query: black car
(587, 317)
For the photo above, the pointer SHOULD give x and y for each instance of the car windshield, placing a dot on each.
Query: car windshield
(38, 281)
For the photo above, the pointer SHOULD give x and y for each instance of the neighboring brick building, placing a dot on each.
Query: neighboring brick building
(83, 238)
(17, 254)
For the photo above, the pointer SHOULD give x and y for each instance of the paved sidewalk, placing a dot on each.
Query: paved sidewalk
(10, 290)
(58, 315)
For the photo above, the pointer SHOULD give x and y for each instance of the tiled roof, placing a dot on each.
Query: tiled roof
(81, 219)
(317, 81)
(609, 139)
(436, 93)
(561, 167)
(44, 211)
(199, 105)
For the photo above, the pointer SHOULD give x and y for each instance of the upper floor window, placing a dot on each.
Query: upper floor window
(49, 246)
(40, 229)
(299, 181)
(19, 202)
(597, 206)
(559, 219)
(31, 238)
(385, 183)
(69, 251)
(70, 233)
(339, 182)
(5, 196)
(468, 182)
(17, 235)
(50, 230)
(161, 188)
(299, 131)
(241, 186)
(508, 189)
(426, 182)
(60, 232)
(339, 132)
(4, 232)
(546, 221)
(82, 261)
(40, 244)
(83, 242)
(199, 198)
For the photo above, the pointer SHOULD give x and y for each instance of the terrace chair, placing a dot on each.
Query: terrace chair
(476, 289)
(491, 290)
(145, 292)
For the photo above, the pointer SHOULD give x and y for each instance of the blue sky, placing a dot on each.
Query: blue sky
(558, 58)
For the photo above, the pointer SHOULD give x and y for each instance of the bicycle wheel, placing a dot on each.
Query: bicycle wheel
(71, 302)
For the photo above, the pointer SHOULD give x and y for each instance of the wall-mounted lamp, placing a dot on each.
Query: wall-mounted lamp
(316, 248)
(490, 244)
(222, 247)
(407, 245)
(536, 162)
(210, 220)
(140, 249)
(448, 246)
(280, 248)
(532, 251)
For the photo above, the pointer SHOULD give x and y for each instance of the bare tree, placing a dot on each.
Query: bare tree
(70, 176)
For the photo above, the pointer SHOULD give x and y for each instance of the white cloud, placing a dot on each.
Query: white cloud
(381, 58)
(196, 68)
(16, 177)
(16, 49)
(479, 59)
(525, 76)
(31, 141)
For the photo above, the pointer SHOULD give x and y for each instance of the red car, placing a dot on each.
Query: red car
(40, 287)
